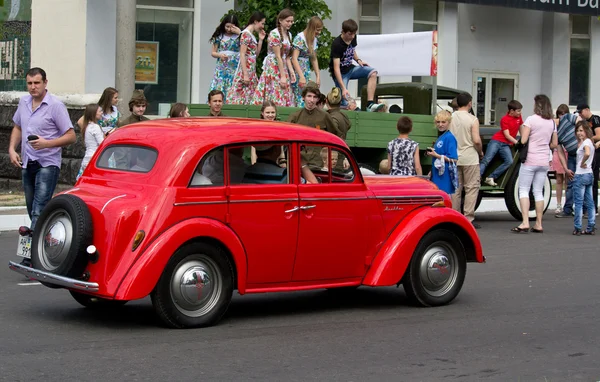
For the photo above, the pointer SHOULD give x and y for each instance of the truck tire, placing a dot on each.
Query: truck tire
(61, 236)
(511, 196)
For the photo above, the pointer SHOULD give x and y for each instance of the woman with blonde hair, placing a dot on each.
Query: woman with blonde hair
(274, 82)
(444, 154)
(304, 55)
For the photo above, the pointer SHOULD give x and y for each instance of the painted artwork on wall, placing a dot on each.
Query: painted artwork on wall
(15, 43)
(146, 62)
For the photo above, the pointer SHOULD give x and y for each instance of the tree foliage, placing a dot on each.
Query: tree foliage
(304, 10)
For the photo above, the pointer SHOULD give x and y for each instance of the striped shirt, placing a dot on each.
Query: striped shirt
(566, 133)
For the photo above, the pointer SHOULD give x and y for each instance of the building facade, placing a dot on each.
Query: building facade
(495, 52)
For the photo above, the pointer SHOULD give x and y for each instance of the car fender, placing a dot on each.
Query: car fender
(395, 254)
(141, 279)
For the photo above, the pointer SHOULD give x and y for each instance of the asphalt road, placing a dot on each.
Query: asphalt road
(530, 314)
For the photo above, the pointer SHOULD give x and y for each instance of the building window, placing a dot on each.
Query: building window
(369, 22)
(169, 23)
(425, 19)
(579, 82)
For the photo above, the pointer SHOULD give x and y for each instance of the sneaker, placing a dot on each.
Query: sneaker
(375, 107)
(558, 209)
(589, 231)
(490, 182)
(563, 214)
(475, 225)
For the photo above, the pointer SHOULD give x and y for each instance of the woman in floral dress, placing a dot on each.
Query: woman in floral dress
(303, 55)
(244, 80)
(274, 83)
(226, 49)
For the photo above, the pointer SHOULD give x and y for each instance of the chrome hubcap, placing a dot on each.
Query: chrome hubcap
(439, 269)
(55, 243)
(196, 286)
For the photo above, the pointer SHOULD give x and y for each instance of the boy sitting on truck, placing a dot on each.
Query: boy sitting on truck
(501, 142)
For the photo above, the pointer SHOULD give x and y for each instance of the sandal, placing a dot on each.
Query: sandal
(535, 230)
(520, 230)
(577, 232)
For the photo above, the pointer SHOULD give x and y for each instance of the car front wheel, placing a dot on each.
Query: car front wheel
(437, 270)
(195, 288)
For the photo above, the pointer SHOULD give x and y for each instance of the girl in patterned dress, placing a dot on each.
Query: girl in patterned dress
(403, 152)
(244, 80)
(274, 83)
(303, 55)
(226, 49)
(110, 119)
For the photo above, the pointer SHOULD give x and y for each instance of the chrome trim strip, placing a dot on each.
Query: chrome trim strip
(197, 203)
(411, 197)
(320, 199)
(106, 204)
(264, 200)
(51, 278)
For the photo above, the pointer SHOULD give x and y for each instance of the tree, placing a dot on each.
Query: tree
(304, 10)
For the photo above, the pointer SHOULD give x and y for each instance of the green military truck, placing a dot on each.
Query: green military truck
(371, 132)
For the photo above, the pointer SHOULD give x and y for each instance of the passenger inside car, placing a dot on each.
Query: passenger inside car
(213, 166)
(266, 170)
(143, 161)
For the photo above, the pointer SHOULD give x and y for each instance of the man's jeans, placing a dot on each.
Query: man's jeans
(493, 148)
(355, 73)
(582, 193)
(39, 184)
(571, 165)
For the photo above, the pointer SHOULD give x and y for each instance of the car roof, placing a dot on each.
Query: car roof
(217, 131)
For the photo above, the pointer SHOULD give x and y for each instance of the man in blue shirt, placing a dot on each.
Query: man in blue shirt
(567, 138)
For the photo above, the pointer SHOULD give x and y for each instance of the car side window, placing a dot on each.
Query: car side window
(258, 164)
(210, 170)
(328, 164)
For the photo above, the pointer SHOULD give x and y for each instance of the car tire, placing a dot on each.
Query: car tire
(93, 302)
(178, 297)
(437, 269)
(511, 196)
(61, 236)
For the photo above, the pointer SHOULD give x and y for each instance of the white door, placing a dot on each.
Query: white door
(492, 91)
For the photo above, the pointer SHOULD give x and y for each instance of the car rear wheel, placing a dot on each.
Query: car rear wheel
(94, 302)
(195, 288)
(437, 270)
(61, 236)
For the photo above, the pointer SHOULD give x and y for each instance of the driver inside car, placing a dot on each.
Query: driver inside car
(267, 171)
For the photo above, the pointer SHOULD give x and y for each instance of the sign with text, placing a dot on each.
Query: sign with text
(146, 62)
(400, 54)
(583, 7)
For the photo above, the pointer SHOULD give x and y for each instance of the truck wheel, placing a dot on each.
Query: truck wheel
(437, 269)
(94, 302)
(195, 288)
(61, 236)
(511, 196)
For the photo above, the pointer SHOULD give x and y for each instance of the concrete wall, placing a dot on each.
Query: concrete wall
(496, 47)
(448, 45)
(594, 99)
(100, 45)
(58, 43)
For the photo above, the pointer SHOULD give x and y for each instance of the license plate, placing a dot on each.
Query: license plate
(24, 248)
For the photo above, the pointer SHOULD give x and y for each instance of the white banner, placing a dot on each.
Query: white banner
(400, 54)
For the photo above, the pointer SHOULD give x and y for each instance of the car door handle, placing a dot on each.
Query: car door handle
(292, 210)
(307, 207)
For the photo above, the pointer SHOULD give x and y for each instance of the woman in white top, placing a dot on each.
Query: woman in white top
(92, 134)
(539, 131)
(584, 179)
(110, 114)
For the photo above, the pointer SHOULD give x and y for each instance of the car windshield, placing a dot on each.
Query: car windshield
(128, 158)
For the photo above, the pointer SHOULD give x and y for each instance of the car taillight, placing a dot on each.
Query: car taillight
(137, 240)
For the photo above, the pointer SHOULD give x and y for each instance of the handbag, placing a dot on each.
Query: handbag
(523, 152)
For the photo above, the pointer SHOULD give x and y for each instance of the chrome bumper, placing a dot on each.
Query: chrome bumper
(53, 279)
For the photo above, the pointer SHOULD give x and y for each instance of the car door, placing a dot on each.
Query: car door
(265, 217)
(333, 236)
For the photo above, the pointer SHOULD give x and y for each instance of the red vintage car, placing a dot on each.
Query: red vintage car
(189, 210)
